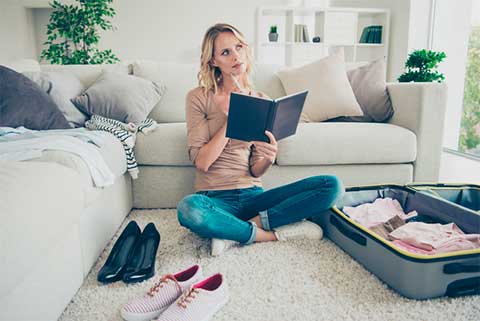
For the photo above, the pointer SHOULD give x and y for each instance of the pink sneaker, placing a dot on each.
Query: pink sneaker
(161, 295)
(200, 302)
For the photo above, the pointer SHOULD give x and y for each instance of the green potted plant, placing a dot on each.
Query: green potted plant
(421, 66)
(73, 33)
(273, 35)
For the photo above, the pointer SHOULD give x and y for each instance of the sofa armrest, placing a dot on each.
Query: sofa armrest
(420, 107)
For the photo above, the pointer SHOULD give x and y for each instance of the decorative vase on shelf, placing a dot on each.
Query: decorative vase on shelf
(273, 35)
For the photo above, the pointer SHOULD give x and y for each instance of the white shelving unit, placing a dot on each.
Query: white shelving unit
(336, 27)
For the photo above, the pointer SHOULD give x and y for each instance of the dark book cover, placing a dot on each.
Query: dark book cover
(363, 37)
(249, 117)
(378, 39)
(371, 34)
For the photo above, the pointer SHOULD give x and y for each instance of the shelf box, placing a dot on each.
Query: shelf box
(366, 19)
(340, 27)
(267, 21)
(319, 25)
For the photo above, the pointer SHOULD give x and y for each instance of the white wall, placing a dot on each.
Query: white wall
(41, 17)
(168, 30)
(16, 37)
(172, 30)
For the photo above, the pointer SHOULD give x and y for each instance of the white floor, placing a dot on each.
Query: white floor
(307, 281)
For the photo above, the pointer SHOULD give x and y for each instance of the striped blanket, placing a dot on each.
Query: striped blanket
(126, 133)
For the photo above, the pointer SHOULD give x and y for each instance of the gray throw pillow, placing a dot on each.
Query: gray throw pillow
(370, 88)
(122, 97)
(24, 103)
(61, 86)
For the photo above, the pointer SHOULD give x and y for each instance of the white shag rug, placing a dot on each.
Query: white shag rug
(304, 280)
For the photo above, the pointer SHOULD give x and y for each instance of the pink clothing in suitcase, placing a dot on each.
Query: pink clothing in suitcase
(378, 212)
(434, 238)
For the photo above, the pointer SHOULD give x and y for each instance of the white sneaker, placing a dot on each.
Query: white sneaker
(299, 231)
(200, 302)
(161, 295)
(219, 246)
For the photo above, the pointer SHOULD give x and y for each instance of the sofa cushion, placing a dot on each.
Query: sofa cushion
(24, 103)
(370, 88)
(166, 145)
(330, 93)
(41, 203)
(126, 98)
(265, 79)
(178, 80)
(87, 74)
(61, 86)
(24, 65)
(347, 143)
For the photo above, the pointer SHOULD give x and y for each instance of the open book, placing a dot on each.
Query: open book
(249, 117)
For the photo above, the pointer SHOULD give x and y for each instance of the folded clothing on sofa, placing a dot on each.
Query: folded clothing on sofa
(23, 144)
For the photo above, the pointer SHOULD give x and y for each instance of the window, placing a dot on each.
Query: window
(469, 141)
(455, 31)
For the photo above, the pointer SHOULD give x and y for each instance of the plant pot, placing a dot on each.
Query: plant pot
(273, 37)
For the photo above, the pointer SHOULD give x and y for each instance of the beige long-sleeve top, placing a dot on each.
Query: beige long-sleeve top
(231, 169)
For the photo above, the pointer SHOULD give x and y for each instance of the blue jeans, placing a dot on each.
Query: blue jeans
(224, 214)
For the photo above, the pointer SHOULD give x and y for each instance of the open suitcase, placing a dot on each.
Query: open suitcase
(415, 276)
(465, 195)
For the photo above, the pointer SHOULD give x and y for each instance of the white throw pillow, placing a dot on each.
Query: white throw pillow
(329, 92)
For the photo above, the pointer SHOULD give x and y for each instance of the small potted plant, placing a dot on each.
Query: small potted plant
(273, 35)
(421, 66)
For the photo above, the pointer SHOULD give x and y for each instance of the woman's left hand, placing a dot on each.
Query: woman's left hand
(267, 150)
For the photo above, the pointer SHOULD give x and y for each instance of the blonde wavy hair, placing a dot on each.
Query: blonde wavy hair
(209, 76)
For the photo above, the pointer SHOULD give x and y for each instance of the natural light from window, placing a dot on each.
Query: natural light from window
(470, 126)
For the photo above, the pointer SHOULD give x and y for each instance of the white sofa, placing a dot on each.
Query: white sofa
(405, 149)
(55, 223)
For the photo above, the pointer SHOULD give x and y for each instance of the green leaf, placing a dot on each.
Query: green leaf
(421, 66)
(77, 26)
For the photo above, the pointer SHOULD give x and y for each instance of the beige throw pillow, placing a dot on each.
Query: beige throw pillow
(329, 92)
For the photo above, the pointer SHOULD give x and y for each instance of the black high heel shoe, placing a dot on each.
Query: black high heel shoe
(141, 266)
(114, 267)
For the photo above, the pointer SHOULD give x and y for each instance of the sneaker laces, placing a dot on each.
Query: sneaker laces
(187, 297)
(154, 289)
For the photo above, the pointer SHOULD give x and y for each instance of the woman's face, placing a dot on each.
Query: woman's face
(230, 55)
